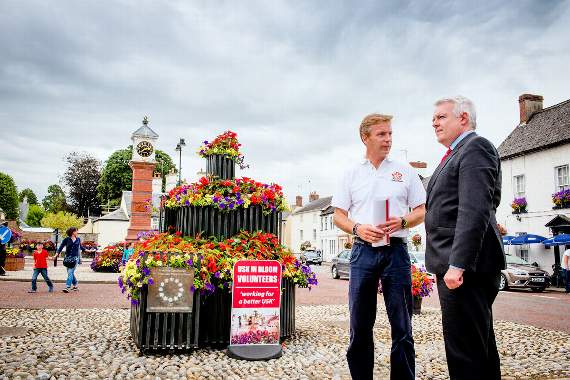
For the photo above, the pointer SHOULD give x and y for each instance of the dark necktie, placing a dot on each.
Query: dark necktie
(445, 156)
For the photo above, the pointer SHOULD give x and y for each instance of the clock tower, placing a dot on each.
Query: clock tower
(143, 164)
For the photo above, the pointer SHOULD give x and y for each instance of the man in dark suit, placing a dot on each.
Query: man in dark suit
(464, 246)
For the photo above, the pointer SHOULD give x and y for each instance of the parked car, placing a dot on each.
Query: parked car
(340, 264)
(521, 274)
(311, 256)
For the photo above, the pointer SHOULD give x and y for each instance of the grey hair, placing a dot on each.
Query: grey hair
(462, 104)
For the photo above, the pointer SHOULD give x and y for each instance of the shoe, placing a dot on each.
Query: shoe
(66, 290)
(75, 288)
(50, 290)
(31, 291)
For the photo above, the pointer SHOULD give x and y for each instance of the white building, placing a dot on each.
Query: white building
(535, 160)
(304, 221)
(333, 239)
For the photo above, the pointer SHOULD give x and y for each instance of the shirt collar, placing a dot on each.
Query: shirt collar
(365, 160)
(459, 138)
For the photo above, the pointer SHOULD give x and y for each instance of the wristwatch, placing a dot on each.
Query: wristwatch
(354, 228)
(404, 223)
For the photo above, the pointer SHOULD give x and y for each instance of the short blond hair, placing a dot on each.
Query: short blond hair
(370, 120)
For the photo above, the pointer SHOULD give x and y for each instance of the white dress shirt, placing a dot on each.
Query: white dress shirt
(395, 181)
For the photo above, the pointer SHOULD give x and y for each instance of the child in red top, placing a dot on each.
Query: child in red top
(40, 267)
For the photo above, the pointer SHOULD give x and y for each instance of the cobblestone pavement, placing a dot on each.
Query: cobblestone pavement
(95, 344)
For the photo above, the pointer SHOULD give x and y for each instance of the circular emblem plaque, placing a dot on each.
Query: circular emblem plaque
(170, 290)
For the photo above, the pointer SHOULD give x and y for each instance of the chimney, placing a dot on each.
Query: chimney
(313, 196)
(299, 201)
(529, 104)
(156, 183)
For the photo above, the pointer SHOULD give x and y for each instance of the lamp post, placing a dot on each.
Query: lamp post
(179, 146)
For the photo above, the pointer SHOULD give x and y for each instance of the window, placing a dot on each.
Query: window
(561, 177)
(321, 223)
(331, 221)
(301, 235)
(315, 234)
(518, 186)
(524, 254)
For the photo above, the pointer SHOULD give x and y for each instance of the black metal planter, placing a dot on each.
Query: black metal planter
(211, 221)
(220, 166)
(208, 325)
(164, 331)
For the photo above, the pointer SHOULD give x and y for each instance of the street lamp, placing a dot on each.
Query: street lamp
(179, 146)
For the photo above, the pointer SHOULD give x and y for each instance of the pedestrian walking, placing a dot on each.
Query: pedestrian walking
(72, 245)
(464, 246)
(128, 252)
(376, 177)
(3, 253)
(40, 267)
(566, 258)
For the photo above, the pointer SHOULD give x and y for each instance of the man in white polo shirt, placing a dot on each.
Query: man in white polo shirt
(379, 177)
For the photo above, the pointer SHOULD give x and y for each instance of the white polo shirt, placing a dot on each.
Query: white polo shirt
(393, 180)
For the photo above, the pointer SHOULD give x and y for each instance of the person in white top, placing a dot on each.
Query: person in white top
(565, 259)
(377, 177)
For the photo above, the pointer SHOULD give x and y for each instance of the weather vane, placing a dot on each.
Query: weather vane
(145, 120)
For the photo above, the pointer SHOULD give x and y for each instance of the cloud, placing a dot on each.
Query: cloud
(292, 79)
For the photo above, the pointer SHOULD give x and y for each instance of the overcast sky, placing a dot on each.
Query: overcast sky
(293, 79)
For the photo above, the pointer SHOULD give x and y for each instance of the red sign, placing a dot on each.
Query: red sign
(257, 284)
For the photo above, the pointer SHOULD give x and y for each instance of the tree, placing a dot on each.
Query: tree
(35, 216)
(9, 197)
(81, 178)
(54, 201)
(29, 193)
(61, 220)
(117, 175)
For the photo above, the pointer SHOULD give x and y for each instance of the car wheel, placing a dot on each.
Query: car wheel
(537, 290)
(503, 284)
(334, 272)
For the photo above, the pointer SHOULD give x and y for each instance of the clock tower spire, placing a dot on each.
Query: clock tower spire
(142, 164)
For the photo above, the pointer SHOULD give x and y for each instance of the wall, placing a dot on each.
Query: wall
(307, 221)
(110, 231)
(538, 169)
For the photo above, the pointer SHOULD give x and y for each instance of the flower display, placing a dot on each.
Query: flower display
(109, 259)
(14, 252)
(89, 245)
(519, 205)
(225, 144)
(422, 284)
(561, 199)
(228, 195)
(16, 237)
(256, 337)
(417, 241)
(212, 260)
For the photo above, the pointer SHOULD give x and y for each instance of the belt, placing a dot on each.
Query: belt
(393, 241)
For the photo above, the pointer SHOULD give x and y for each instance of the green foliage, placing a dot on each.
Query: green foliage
(54, 201)
(61, 220)
(35, 216)
(117, 175)
(8, 197)
(81, 178)
(28, 193)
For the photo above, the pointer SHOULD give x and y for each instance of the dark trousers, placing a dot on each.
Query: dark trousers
(367, 266)
(43, 272)
(467, 320)
(567, 278)
(2, 258)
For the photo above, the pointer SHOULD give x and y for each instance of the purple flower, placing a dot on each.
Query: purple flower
(146, 271)
(192, 288)
(190, 262)
(134, 302)
(217, 274)
(150, 281)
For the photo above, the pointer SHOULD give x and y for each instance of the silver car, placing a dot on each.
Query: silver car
(521, 274)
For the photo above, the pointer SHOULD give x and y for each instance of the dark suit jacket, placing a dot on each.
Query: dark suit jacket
(462, 197)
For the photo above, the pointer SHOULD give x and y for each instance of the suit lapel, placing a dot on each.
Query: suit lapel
(443, 164)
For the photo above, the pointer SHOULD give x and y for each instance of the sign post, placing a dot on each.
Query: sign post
(256, 297)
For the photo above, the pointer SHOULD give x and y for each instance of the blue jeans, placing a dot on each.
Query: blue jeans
(391, 265)
(567, 278)
(43, 272)
(71, 279)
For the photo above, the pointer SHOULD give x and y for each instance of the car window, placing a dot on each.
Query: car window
(344, 254)
(516, 260)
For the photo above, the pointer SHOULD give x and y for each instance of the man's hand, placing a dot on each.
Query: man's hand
(369, 233)
(392, 225)
(453, 278)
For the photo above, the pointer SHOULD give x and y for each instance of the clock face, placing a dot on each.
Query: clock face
(144, 149)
